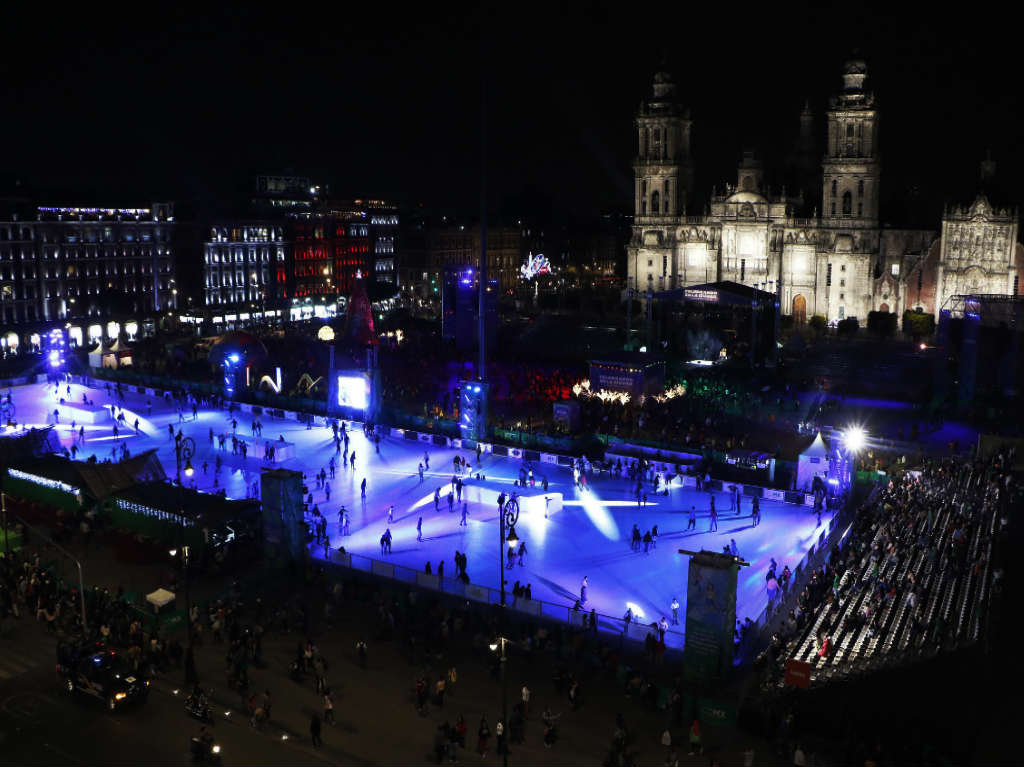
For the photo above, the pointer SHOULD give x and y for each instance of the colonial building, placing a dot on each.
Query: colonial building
(61, 263)
(840, 261)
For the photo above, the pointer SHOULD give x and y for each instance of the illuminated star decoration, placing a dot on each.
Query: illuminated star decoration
(535, 265)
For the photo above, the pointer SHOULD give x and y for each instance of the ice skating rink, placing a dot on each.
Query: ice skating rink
(590, 536)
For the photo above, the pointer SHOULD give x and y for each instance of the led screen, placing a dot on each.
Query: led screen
(353, 391)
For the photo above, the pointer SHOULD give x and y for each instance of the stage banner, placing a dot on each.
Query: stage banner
(710, 614)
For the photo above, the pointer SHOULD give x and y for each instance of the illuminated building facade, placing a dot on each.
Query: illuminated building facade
(300, 253)
(65, 262)
(246, 262)
(838, 262)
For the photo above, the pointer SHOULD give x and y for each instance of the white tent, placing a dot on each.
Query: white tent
(160, 598)
(96, 356)
(117, 355)
(813, 461)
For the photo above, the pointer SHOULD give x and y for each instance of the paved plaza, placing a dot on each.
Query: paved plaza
(589, 537)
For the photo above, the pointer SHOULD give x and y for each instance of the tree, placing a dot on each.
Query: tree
(918, 325)
(848, 327)
(818, 323)
(882, 324)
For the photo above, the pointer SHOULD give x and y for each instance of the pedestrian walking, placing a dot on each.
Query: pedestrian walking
(314, 730)
(328, 706)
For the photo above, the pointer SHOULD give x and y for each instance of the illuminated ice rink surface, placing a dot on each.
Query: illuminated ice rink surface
(589, 537)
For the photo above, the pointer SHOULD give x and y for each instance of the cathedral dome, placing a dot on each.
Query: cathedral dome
(746, 196)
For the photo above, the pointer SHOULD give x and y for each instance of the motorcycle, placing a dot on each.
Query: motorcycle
(198, 709)
(204, 753)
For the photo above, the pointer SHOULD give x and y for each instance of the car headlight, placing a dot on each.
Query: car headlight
(121, 696)
(216, 749)
(147, 683)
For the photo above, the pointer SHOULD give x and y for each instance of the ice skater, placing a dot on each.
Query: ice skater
(426, 460)
(675, 611)
(732, 547)
(419, 529)
(465, 511)
(362, 489)
(451, 501)
(755, 514)
(522, 553)
(692, 524)
(437, 499)
(713, 527)
(420, 469)
(391, 513)
(583, 590)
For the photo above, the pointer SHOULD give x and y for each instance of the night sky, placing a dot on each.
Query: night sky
(384, 100)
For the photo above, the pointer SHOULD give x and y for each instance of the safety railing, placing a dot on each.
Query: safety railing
(635, 630)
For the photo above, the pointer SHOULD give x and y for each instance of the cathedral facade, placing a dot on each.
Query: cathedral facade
(838, 262)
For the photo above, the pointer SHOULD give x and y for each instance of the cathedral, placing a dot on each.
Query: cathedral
(839, 261)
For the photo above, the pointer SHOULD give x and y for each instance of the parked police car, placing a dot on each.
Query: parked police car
(94, 669)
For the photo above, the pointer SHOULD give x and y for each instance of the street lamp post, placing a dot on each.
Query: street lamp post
(185, 552)
(508, 517)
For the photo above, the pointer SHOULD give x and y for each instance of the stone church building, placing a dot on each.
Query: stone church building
(840, 261)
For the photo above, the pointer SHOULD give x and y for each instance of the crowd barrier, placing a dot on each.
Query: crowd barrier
(636, 630)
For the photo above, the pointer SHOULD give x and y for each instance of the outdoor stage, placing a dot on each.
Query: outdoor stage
(589, 536)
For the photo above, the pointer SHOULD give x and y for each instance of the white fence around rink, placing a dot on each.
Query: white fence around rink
(607, 624)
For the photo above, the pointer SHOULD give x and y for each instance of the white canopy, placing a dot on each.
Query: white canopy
(160, 597)
(813, 461)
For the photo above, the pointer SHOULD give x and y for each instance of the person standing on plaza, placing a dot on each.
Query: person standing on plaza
(526, 701)
(483, 734)
(314, 730)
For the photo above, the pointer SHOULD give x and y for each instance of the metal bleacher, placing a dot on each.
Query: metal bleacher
(904, 632)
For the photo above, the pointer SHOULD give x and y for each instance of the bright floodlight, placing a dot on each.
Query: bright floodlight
(854, 439)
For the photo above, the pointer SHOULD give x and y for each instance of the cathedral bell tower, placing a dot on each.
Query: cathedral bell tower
(662, 168)
(851, 165)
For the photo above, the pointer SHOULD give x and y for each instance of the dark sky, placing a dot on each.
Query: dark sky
(384, 100)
